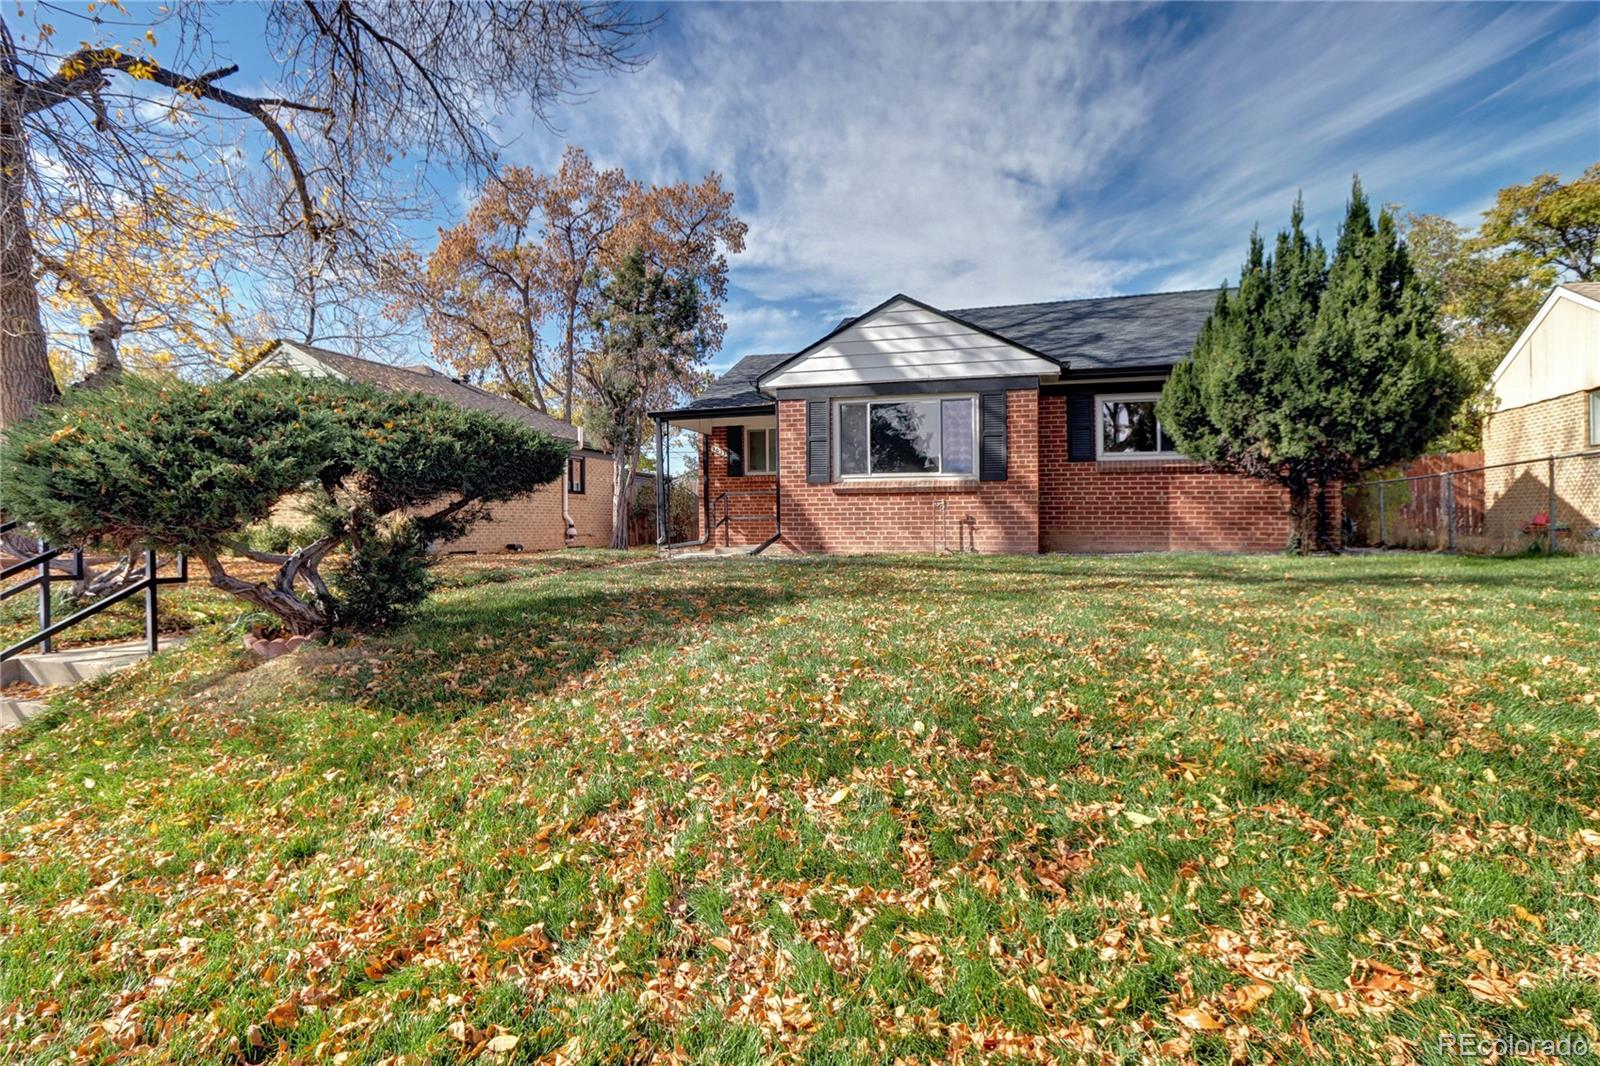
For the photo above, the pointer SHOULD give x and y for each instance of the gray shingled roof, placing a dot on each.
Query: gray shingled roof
(1591, 289)
(1105, 333)
(737, 385)
(425, 379)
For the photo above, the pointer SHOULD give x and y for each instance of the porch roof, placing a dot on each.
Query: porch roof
(734, 392)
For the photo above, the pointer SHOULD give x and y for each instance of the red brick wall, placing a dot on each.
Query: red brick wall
(1134, 505)
(913, 515)
(1046, 503)
(753, 520)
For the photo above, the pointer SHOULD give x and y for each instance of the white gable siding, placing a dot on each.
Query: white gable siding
(290, 359)
(904, 342)
(1558, 355)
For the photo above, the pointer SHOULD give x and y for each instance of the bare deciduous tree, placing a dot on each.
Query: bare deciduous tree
(368, 96)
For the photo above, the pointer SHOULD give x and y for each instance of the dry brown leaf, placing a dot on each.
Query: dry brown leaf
(1200, 1019)
(1491, 988)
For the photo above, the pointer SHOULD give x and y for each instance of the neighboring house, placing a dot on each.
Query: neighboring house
(574, 510)
(1546, 402)
(1020, 428)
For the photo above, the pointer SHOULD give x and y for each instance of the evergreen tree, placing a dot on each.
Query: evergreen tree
(1314, 371)
(651, 331)
(163, 464)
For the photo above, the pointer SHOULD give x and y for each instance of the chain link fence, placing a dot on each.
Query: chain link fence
(1497, 509)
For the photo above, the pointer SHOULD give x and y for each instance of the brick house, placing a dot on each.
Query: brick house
(1018, 428)
(1546, 395)
(574, 510)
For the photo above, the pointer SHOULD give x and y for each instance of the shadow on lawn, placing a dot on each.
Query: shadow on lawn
(500, 637)
(488, 645)
(1119, 571)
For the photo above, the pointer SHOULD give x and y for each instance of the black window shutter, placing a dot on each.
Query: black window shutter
(992, 436)
(1080, 427)
(818, 457)
(736, 451)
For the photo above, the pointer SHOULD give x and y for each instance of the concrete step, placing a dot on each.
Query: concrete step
(13, 712)
(76, 664)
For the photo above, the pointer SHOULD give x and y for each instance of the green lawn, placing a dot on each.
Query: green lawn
(1138, 809)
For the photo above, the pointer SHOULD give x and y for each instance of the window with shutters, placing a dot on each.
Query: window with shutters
(761, 451)
(911, 437)
(1127, 428)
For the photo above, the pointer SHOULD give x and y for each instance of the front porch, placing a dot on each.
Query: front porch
(734, 464)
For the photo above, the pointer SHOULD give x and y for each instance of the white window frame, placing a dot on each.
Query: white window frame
(1103, 398)
(837, 437)
(1594, 418)
(769, 452)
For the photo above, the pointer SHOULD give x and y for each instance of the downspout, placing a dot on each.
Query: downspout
(777, 482)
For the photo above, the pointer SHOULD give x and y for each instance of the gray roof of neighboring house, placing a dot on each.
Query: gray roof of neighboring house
(425, 379)
(1591, 289)
(1105, 333)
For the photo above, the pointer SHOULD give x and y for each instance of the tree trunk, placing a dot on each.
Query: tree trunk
(570, 355)
(25, 377)
(1324, 521)
(622, 493)
(103, 338)
(1302, 517)
(278, 598)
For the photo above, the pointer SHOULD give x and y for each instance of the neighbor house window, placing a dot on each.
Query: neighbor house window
(1594, 417)
(575, 474)
(1128, 427)
(899, 438)
(762, 444)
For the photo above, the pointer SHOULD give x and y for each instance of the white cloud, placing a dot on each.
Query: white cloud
(883, 148)
(990, 154)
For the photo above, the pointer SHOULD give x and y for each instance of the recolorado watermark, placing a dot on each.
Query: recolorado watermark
(1478, 1046)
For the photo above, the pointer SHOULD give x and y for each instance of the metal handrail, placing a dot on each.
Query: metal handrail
(148, 585)
(727, 517)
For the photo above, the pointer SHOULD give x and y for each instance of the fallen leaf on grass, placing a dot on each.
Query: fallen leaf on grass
(1200, 1019)
(1246, 998)
(1492, 988)
(284, 1014)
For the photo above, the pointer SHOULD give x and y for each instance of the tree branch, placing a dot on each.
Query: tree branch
(84, 72)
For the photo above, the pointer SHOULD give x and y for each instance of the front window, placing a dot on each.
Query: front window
(1129, 429)
(762, 444)
(899, 438)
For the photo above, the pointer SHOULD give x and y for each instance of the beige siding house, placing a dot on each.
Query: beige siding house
(1547, 403)
(573, 511)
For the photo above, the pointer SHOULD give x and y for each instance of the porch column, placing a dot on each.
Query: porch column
(661, 482)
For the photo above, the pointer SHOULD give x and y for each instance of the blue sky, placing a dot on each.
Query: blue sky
(984, 154)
